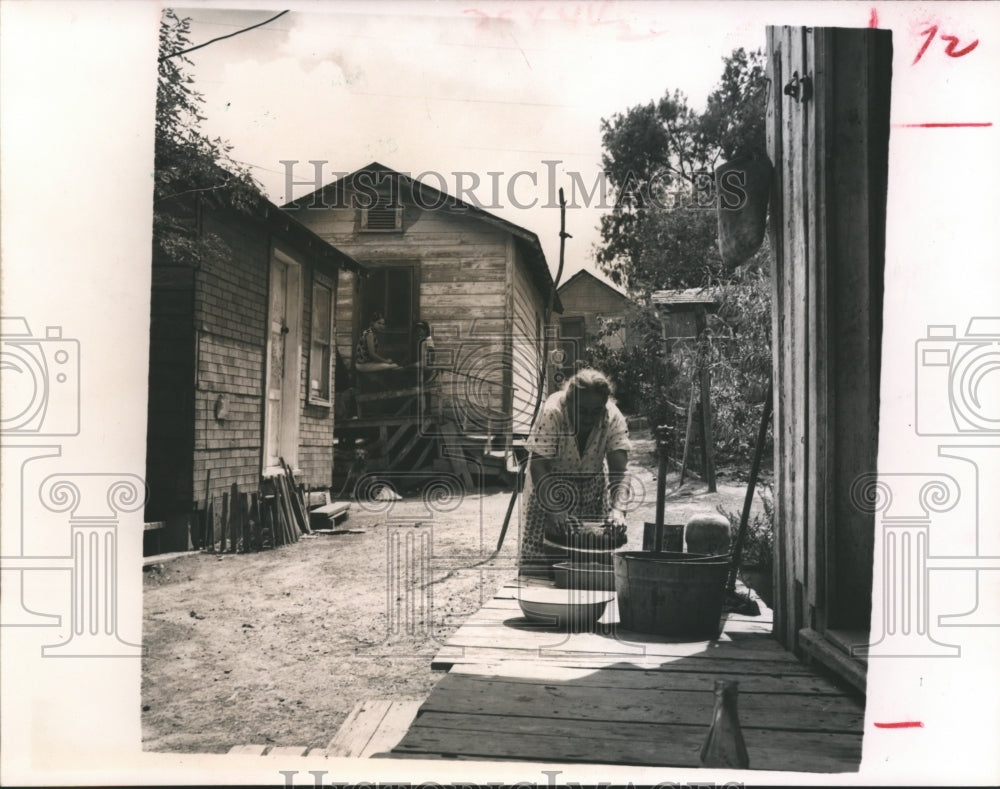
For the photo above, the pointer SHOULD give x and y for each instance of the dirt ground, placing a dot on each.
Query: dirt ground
(276, 647)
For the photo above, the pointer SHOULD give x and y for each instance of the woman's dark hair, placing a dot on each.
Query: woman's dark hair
(376, 317)
(423, 325)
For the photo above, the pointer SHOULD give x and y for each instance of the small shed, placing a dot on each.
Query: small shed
(683, 316)
(589, 301)
(240, 359)
(481, 282)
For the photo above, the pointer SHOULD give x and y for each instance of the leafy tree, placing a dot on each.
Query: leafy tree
(663, 233)
(191, 170)
(659, 158)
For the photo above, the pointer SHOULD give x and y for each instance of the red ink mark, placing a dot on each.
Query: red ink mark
(900, 725)
(948, 50)
(873, 19)
(941, 125)
(930, 33)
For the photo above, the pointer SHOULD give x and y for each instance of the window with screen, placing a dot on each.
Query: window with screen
(321, 347)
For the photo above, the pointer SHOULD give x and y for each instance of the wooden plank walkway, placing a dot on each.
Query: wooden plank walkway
(516, 691)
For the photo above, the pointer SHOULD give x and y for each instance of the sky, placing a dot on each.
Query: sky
(453, 88)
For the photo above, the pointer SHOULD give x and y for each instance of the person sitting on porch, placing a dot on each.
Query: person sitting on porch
(366, 356)
(579, 432)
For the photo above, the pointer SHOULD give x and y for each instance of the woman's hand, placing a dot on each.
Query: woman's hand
(616, 519)
(556, 525)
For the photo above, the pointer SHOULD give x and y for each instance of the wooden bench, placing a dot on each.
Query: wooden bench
(328, 515)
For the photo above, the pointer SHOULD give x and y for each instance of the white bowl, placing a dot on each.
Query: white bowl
(575, 609)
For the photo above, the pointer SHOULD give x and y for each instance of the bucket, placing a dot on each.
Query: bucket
(673, 536)
(668, 595)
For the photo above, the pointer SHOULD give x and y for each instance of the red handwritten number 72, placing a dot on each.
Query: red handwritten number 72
(948, 50)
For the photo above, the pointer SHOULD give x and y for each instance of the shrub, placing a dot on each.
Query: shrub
(758, 545)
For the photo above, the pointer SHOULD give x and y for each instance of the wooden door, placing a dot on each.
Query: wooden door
(392, 289)
(283, 350)
(828, 138)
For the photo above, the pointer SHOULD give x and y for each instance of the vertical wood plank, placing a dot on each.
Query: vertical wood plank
(775, 147)
(705, 385)
(821, 445)
(792, 208)
(859, 133)
(225, 521)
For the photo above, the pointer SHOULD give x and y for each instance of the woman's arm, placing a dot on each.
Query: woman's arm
(617, 486)
(371, 350)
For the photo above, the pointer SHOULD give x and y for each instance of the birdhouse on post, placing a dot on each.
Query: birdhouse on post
(682, 315)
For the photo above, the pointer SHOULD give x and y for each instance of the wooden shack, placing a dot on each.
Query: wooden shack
(481, 282)
(589, 305)
(240, 360)
(828, 135)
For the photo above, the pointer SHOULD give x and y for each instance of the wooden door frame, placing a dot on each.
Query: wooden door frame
(830, 152)
(288, 431)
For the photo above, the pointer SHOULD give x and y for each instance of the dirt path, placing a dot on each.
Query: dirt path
(277, 647)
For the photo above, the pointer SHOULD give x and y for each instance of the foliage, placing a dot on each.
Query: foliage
(736, 348)
(663, 233)
(643, 380)
(190, 169)
(659, 158)
(758, 544)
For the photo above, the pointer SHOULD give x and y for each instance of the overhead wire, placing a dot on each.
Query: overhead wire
(220, 38)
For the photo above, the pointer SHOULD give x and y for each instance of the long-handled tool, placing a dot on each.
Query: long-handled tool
(542, 367)
(737, 554)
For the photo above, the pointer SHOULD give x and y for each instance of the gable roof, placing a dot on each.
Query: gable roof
(298, 233)
(583, 276)
(526, 240)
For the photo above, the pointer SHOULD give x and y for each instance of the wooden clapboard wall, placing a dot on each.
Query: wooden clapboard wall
(830, 151)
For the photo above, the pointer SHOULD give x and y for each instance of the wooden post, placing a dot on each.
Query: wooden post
(235, 517)
(706, 404)
(688, 431)
(210, 524)
(225, 519)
